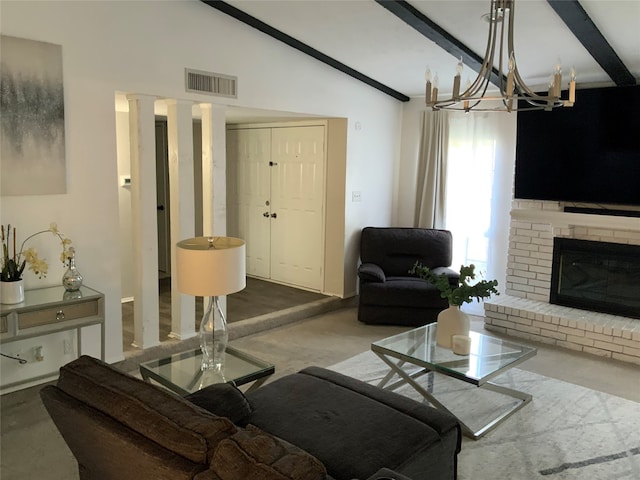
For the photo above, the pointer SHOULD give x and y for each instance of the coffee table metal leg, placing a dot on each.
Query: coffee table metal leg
(256, 384)
(469, 432)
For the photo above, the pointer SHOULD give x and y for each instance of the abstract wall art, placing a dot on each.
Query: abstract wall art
(32, 135)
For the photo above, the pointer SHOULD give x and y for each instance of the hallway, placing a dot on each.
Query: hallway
(258, 298)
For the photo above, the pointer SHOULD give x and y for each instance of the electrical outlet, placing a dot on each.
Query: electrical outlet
(68, 347)
(356, 196)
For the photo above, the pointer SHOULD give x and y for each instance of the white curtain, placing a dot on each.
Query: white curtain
(480, 158)
(432, 171)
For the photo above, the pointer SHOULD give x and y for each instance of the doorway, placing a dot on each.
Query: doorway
(276, 184)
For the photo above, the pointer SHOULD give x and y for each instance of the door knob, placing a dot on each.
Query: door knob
(274, 215)
(265, 214)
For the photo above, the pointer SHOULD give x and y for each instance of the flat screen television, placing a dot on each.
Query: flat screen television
(589, 153)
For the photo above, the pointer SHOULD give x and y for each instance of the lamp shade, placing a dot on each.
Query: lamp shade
(210, 266)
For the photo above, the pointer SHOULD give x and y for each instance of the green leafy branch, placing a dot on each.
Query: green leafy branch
(464, 292)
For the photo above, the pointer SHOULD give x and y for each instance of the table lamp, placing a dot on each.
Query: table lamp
(210, 267)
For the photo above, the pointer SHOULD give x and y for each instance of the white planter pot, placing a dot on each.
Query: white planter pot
(12, 292)
(451, 321)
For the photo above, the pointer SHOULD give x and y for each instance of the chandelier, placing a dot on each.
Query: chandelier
(514, 94)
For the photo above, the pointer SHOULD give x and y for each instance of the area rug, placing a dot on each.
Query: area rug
(565, 432)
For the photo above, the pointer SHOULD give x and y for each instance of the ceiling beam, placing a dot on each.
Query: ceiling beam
(572, 13)
(420, 22)
(302, 47)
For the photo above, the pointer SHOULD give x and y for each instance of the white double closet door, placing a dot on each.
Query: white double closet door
(276, 201)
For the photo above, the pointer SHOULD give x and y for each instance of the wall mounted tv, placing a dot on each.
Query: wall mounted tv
(588, 153)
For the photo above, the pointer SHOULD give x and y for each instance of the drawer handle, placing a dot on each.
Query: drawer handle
(59, 315)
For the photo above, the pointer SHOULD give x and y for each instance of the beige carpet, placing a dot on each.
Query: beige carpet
(566, 432)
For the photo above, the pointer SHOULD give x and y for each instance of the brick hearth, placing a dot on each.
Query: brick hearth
(524, 310)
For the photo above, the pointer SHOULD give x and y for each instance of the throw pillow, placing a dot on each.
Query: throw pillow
(224, 400)
(252, 454)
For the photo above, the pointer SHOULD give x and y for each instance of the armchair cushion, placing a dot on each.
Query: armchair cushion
(252, 454)
(223, 400)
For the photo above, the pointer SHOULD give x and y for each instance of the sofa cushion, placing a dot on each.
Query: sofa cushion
(406, 292)
(163, 417)
(224, 400)
(364, 433)
(252, 454)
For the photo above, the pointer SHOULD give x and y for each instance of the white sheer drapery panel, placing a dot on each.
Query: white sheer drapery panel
(432, 170)
(480, 159)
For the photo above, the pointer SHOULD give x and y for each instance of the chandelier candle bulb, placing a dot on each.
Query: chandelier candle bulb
(550, 98)
(456, 87)
(572, 87)
(427, 95)
(510, 84)
(466, 93)
(557, 81)
(434, 94)
(456, 81)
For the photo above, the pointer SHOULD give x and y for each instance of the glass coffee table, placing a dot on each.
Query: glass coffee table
(181, 372)
(414, 353)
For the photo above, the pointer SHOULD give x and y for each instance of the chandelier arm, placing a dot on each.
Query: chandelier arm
(485, 70)
(505, 10)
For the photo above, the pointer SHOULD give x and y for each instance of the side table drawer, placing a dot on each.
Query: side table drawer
(57, 314)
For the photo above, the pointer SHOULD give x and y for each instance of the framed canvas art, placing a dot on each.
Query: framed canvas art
(32, 155)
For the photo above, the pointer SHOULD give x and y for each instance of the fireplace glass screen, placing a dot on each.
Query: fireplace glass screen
(598, 276)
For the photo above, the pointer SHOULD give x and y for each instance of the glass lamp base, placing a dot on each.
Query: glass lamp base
(213, 338)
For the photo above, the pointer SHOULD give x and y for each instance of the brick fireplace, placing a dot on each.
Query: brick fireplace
(524, 310)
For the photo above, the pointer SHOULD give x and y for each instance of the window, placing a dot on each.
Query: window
(481, 156)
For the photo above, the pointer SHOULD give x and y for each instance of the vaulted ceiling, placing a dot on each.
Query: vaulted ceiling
(389, 44)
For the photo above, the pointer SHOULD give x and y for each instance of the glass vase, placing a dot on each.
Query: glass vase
(72, 280)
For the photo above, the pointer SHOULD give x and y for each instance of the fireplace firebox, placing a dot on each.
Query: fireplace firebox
(596, 276)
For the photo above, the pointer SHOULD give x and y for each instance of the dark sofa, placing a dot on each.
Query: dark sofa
(311, 425)
(388, 294)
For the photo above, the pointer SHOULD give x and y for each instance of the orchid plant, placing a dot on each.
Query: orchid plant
(14, 262)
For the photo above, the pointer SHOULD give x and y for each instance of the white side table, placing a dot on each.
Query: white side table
(51, 310)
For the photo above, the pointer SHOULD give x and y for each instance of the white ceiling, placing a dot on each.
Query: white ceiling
(370, 39)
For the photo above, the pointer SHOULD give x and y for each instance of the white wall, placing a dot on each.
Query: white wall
(143, 47)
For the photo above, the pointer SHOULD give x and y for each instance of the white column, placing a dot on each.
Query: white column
(214, 174)
(214, 168)
(144, 220)
(182, 209)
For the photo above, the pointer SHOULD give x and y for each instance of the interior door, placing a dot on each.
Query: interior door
(297, 199)
(162, 199)
(249, 193)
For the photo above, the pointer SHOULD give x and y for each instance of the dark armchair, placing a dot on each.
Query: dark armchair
(388, 293)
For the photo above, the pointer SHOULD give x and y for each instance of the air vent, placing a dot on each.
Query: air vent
(211, 83)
